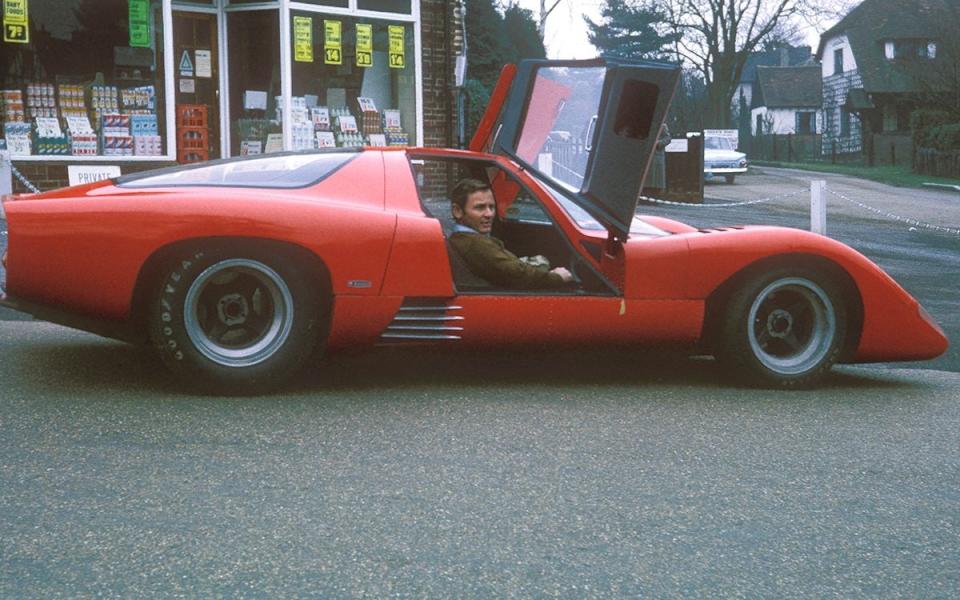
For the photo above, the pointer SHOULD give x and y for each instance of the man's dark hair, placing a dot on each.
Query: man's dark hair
(464, 188)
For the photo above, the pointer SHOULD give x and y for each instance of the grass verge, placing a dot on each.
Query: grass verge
(900, 176)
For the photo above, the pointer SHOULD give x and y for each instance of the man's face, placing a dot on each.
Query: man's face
(477, 212)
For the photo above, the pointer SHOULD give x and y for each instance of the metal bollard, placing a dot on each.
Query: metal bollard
(818, 206)
(6, 178)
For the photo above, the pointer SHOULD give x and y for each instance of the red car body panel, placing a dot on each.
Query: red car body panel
(82, 250)
(89, 256)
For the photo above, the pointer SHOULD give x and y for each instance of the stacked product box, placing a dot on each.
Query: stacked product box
(83, 139)
(138, 100)
(395, 136)
(49, 139)
(12, 106)
(146, 136)
(370, 121)
(103, 100)
(18, 137)
(115, 135)
(41, 101)
(72, 103)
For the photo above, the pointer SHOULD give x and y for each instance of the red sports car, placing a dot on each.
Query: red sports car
(239, 271)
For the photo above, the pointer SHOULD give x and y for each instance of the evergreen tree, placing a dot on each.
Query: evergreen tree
(630, 30)
(493, 40)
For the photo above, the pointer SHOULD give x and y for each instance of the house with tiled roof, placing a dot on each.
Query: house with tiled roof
(877, 65)
(787, 100)
(784, 56)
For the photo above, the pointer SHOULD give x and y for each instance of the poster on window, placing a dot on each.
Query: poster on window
(395, 35)
(138, 23)
(15, 22)
(332, 42)
(303, 39)
(364, 45)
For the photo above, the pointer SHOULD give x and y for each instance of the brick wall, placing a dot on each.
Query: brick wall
(437, 30)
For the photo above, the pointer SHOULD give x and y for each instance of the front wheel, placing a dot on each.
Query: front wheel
(784, 328)
(232, 321)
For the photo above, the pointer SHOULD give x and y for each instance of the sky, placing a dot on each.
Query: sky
(566, 34)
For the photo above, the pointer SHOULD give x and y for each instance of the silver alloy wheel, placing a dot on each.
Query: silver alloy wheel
(238, 312)
(791, 325)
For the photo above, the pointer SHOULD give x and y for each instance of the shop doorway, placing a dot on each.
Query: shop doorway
(197, 87)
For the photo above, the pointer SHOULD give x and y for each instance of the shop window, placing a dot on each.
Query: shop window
(354, 82)
(254, 58)
(86, 81)
(337, 3)
(394, 6)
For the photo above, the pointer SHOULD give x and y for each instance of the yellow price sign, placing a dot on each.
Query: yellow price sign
(16, 27)
(395, 34)
(303, 39)
(332, 42)
(364, 45)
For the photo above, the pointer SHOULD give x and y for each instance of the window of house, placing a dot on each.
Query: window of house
(806, 122)
(889, 117)
(85, 79)
(907, 49)
(844, 121)
(838, 60)
(354, 81)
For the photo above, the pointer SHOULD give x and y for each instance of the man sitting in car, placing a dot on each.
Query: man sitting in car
(474, 207)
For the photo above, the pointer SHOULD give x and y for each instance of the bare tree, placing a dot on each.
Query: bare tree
(717, 36)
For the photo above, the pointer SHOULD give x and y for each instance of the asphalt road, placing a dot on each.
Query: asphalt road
(424, 475)
(499, 475)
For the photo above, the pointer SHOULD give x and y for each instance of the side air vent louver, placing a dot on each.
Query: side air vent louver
(424, 321)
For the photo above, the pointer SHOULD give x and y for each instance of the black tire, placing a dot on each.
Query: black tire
(232, 321)
(784, 328)
(730, 178)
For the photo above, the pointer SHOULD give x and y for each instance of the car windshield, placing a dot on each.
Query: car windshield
(556, 130)
(718, 143)
(583, 219)
(268, 171)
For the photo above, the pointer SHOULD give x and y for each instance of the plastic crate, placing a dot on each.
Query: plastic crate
(192, 138)
(192, 115)
(192, 156)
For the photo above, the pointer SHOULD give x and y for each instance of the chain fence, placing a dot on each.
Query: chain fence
(915, 223)
(889, 215)
(724, 204)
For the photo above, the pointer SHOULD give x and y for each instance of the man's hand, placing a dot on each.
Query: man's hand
(564, 273)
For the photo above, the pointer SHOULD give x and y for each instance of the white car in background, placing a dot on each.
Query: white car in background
(720, 158)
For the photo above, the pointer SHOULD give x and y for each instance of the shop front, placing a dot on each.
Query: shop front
(92, 87)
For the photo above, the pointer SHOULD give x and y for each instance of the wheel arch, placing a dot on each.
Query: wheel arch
(853, 300)
(152, 272)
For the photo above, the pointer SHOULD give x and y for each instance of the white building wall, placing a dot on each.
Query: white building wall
(780, 120)
(826, 64)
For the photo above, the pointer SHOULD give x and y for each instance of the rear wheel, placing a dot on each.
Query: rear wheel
(234, 321)
(784, 328)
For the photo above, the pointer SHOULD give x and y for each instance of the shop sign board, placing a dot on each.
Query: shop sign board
(139, 23)
(15, 22)
(81, 174)
(303, 39)
(395, 35)
(332, 42)
(364, 45)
